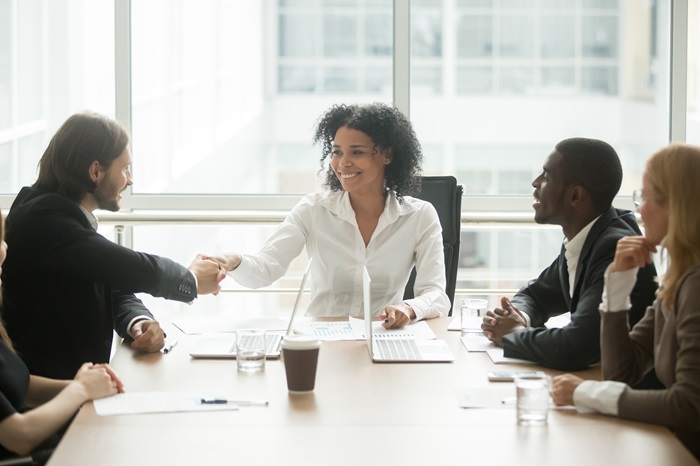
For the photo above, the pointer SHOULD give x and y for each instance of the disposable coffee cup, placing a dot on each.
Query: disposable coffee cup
(300, 354)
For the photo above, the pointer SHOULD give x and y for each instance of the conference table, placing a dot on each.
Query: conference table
(360, 413)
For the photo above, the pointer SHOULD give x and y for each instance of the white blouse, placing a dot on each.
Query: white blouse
(407, 234)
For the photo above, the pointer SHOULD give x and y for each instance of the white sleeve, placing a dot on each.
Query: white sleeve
(598, 397)
(272, 262)
(430, 298)
(617, 290)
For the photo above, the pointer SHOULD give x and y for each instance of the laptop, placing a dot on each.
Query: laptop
(224, 347)
(399, 350)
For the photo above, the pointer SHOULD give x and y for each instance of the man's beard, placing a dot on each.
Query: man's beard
(104, 202)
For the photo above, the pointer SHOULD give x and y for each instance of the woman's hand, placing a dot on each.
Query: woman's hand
(631, 252)
(97, 381)
(563, 387)
(397, 315)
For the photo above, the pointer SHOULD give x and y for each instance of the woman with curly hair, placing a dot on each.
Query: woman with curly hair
(363, 219)
(667, 338)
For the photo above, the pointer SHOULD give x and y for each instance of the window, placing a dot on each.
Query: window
(48, 73)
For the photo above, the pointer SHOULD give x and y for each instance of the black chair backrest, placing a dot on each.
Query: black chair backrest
(445, 195)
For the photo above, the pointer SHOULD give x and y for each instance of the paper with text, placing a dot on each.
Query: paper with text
(157, 402)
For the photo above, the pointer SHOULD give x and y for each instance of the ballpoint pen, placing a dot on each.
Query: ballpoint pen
(509, 400)
(223, 401)
(169, 348)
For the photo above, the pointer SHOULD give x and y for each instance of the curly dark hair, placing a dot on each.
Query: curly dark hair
(389, 129)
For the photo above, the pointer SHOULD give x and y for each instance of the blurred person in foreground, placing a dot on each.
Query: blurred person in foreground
(52, 402)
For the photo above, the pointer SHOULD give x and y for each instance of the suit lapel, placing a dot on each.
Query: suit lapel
(596, 230)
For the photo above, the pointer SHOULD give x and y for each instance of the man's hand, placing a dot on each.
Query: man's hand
(209, 273)
(148, 336)
(229, 261)
(397, 315)
(563, 387)
(502, 321)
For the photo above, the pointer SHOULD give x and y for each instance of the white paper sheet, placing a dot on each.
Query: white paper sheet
(477, 343)
(157, 402)
(497, 357)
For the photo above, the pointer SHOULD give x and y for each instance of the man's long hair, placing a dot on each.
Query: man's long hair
(82, 139)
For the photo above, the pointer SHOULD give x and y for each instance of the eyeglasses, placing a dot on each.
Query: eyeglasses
(637, 198)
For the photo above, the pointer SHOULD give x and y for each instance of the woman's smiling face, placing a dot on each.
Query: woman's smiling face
(358, 162)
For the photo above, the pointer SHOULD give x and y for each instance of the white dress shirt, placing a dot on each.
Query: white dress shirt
(573, 253)
(407, 234)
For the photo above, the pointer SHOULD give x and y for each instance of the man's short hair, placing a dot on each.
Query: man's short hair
(593, 165)
(82, 139)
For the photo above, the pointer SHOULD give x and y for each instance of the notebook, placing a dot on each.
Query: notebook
(399, 350)
(224, 347)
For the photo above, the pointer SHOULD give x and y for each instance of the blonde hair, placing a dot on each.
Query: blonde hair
(674, 174)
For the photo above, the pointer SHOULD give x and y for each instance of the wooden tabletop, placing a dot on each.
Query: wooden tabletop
(361, 413)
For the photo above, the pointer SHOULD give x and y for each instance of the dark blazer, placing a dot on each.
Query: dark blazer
(66, 287)
(577, 345)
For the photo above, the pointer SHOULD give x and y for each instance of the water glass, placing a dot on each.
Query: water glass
(471, 313)
(532, 398)
(250, 350)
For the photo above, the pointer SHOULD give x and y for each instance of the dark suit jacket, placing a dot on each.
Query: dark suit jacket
(66, 287)
(577, 345)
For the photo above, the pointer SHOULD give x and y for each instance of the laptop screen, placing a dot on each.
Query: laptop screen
(367, 312)
(290, 327)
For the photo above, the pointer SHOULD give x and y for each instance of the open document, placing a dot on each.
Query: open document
(160, 402)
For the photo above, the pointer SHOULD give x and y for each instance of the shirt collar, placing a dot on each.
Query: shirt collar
(339, 204)
(90, 217)
(574, 247)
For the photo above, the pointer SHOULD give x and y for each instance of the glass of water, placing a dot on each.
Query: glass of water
(471, 313)
(532, 398)
(250, 350)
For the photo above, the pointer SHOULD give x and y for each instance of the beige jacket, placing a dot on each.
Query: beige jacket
(669, 341)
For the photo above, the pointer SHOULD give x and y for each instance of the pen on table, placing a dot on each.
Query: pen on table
(509, 400)
(169, 347)
(223, 401)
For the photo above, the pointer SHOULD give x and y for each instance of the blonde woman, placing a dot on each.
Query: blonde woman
(54, 402)
(668, 337)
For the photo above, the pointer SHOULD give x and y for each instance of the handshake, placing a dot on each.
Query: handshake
(211, 270)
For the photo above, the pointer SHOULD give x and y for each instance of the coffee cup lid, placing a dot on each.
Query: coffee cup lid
(300, 342)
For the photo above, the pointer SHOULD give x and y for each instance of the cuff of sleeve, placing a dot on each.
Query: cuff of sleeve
(420, 314)
(617, 290)
(243, 269)
(598, 397)
(133, 321)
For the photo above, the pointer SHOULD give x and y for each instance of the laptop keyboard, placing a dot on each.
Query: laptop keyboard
(272, 343)
(398, 349)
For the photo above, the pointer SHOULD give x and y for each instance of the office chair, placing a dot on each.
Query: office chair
(445, 195)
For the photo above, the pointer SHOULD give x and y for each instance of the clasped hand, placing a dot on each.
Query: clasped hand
(98, 380)
(209, 274)
(502, 321)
